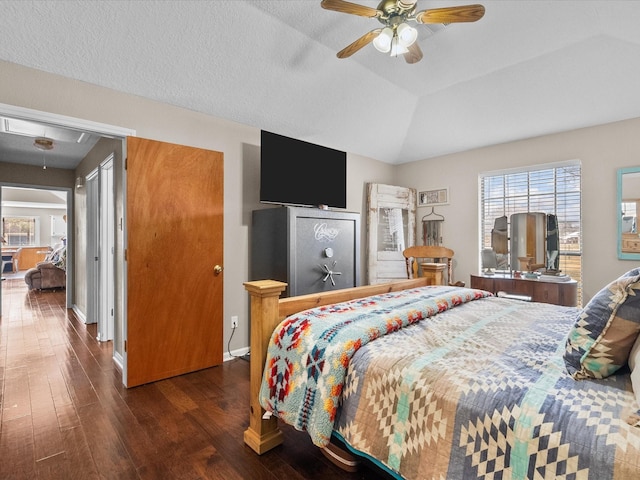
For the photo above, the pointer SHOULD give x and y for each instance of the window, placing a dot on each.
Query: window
(551, 190)
(20, 231)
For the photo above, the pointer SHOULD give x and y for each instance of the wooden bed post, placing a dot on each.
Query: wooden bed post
(262, 435)
(267, 311)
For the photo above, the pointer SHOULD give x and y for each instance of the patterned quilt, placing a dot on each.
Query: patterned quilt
(475, 391)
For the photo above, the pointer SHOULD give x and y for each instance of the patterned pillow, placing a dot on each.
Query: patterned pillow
(605, 330)
(61, 261)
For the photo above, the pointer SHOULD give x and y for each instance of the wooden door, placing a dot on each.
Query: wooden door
(174, 243)
(391, 227)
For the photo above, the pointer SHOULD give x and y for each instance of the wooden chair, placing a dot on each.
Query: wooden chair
(418, 254)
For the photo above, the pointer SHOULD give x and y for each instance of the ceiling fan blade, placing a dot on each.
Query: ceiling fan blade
(414, 55)
(466, 13)
(348, 7)
(364, 40)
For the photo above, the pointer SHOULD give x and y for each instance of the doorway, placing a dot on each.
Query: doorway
(100, 258)
(164, 186)
(34, 222)
(93, 246)
(107, 254)
(61, 129)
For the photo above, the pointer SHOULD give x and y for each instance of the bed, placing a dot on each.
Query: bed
(441, 382)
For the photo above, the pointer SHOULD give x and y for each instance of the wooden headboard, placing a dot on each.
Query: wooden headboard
(267, 311)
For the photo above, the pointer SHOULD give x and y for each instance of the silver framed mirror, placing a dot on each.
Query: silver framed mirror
(628, 205)
(528, 241)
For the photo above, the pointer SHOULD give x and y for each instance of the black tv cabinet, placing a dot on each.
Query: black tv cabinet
(311, 249)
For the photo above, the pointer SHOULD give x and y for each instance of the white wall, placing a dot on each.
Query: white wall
(602, 150)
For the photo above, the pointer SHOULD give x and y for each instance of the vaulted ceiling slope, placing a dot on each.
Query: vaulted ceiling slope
(527, 68)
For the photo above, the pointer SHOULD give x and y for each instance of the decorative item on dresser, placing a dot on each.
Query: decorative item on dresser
(538, 289)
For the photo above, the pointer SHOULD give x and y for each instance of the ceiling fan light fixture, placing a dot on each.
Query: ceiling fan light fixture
(397, 48)
(383, 41)
(407, 35)
(397, 36)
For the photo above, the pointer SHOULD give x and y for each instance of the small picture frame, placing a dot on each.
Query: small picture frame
(435, 197)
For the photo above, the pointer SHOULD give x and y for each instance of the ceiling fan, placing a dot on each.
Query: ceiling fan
(396, 36)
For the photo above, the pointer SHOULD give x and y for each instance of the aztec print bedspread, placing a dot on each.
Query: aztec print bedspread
(482, 391)
(309, 352)
(476, 391)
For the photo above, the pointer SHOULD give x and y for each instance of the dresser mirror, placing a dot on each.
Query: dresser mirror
(528, 241)
(628, 204)
(532, 243)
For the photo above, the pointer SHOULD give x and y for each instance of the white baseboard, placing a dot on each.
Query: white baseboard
(79, 313)
(118, 360)
(240, 352)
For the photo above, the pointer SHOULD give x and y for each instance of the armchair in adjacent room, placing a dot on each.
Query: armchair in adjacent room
(49, 274)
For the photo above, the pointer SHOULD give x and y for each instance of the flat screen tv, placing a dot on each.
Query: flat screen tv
(294, 172)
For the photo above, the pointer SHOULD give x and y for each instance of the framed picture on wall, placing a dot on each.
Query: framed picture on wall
(439, 196)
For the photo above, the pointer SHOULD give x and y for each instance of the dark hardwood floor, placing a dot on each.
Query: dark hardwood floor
(66, 415)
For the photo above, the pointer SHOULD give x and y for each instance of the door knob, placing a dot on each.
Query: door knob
(217, 269)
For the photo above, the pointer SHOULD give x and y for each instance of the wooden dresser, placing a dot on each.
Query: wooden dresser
(558, 293)
(630, 243)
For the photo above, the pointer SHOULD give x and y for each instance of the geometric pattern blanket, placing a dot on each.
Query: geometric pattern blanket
(309, 352)
(482, 391)
(479, 391)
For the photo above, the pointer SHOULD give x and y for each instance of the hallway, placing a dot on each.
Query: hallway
(52, 371)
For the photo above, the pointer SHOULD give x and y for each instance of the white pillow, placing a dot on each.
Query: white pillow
(634, 365)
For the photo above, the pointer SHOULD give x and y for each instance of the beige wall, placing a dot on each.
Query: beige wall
(28, 88)
(601, 150)
(29, 175)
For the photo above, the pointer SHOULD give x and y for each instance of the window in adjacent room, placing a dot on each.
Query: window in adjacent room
(20, 231)
(551, 189)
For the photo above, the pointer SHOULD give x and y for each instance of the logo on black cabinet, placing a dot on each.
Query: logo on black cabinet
(323, 232)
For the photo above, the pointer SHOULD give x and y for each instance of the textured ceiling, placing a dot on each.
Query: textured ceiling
(527, 68)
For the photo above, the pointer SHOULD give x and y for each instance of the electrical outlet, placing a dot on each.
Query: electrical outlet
(234, 321)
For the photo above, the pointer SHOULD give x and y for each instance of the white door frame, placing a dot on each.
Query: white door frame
(92, 188)
(106, 262)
